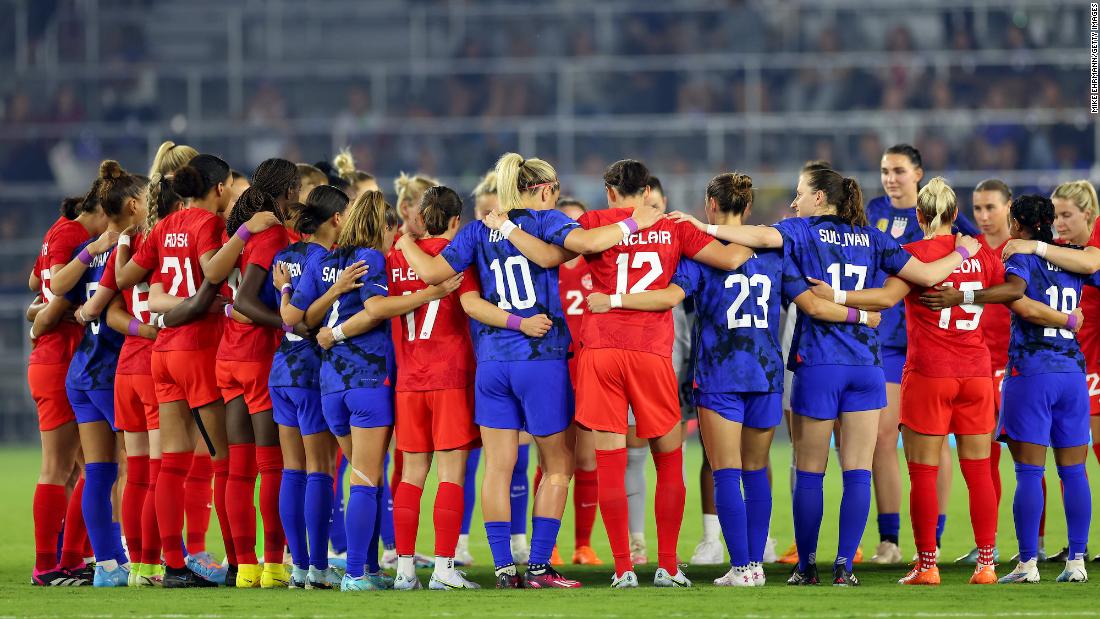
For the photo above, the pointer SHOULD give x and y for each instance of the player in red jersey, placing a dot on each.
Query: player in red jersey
(626, 358)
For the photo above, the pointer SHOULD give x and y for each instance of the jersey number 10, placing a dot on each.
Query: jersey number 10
(1064, 301)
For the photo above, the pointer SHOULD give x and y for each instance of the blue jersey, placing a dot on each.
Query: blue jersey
(736, 336)
(902, 224)
(848, 258)
(363, 361)
(297, 363)
(515, 285)
(1035, 349)
(94, 362)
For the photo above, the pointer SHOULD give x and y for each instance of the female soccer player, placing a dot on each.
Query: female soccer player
(738, 373)
(360, 181)
(838, 372)
(409, 191)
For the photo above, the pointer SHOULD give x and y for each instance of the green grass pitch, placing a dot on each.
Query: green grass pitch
(878, 597)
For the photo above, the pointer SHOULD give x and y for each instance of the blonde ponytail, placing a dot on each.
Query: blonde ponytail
(516, 176)
(937, 204)
(409, 189)
(367, 221)
(171, 157)
(1083, 196)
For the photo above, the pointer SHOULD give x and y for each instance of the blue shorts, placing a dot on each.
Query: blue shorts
(893, 361)
(759, 409)
(826, 391)
(362, 408)
(298, 407)
(1045, 409)
(93, 405)
(534, 396)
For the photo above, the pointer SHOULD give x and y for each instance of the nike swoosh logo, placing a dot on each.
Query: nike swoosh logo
(515, 496)
(588, 504)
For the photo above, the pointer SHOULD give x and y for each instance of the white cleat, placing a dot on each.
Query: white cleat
(463, 558)
(1074, 572)
(389, 559)
(736, 577)
(758, 577)
(1025, 573)
(629, 580)
(886, 552)
(404, 582)
(521, 552)
(638, 552)
(663, 579)
(709, 552)
(454, 580)
(770, 555)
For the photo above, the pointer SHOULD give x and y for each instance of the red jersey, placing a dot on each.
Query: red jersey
(249, 342)
(948, 343)
(643, 261)
(61, 240)
(432, 343)
(136, 354)
(1089, 335)
(996, 322)
(574, 285)
(172, 251)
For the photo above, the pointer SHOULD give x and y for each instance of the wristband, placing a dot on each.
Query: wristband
(80, 314)
(712, 229)
(513, 322)
(968, 297)
(1041, 249)
(962, 251)
(862, 317)
(287, 328)
(839, 296)
(159, 321)
(616, 301)
(243, 234)
(286, 289)
(134, 328)
(853, 315)
(507, 228)
(1071, 322)
(124, 240)
(228, 310)
(338, 333)
(33, 336)
(628, 226)
(85, 257)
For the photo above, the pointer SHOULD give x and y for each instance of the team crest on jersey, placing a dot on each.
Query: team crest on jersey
(898, 229)
(586, 281)
(881, 224)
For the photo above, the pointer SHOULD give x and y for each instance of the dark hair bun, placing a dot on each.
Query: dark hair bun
(110, 169)
(188, 182)
(70, 207)
(628, 176)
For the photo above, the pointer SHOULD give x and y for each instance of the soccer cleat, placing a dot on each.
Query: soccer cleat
(917, 576)
(1023, 574)
(638, 554)
(274, 576)
(230, 576)
(736, 577)
(548, 578)
(629, 580)
(758, 576)
(455, 580)
(422, 561)
(859, 555)
(204, 565)
(135, 569)
(1074, 572)
(521, 552)
(463, 558)
(806, 577)
(507, 578)
(184, 578)
(328, 578)
(585, 555)
(339, 560)
(248, 576)
(886, 552)
(769, 550)
(380, 579)
(142, 575)
(362, 583)
(790, 557)
(389, 559)
(404, 582)
(117, 577)
(57, 577)
(983, 575)
(709, 552)
(843, 577)
(970, 558)
(299, 578)
(86, 571)
(555, 557)
(663, 579)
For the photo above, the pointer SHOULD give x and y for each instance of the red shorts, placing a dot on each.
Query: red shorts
(136, 407)
(248, 379)
(940, 406)
(185, 375)
(1093, 380)
(610, 379)
(47, 384)
(438, 420)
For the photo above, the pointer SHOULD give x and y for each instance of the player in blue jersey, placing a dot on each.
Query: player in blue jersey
(838, 368)
(896, 214)
(738, 370)
(1045, 400)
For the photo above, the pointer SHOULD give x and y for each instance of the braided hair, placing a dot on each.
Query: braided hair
(250, 202)
(1036, 214)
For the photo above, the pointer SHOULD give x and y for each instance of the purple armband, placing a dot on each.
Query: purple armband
(962, 251)
(85, 257)
(514, 322)
(630, 223)
(287, 328)
(243, 234)
(1071, 322)
(135, 327)
(228, 310)
(853, 315)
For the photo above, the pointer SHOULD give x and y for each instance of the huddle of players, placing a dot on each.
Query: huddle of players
(305, 358)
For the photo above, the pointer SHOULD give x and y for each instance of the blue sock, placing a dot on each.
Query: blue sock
(376, 536)
(758, 511)
(808, 505)
(854, 507)
(120, 550)
(544, 534)
(338, 523)
(731, 514)
(99, 477)
(500, 543)
(889, 527)
(389, 539)
(941, 524)
(1078, 502)
(519, 491)
(469, 489)
(362, 515)
(292, 505)
(318, 506)
(1027, 508)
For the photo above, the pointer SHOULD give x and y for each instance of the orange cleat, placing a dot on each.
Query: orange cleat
(790, 557)
(984, 575)
(584, 555)
(859, 555)
(555, 557)
(927, 576)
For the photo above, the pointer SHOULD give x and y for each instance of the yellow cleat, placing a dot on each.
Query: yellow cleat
(584, 555)
(791, 556)
(275, 576)
(983, 575)
(249, 575)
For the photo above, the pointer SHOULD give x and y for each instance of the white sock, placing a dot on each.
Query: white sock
(109, 565)
(406, 565)
(711, 527)
(444, 566)
(463, 540)
(519, 539)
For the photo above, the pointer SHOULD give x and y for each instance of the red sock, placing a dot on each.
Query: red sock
(170, 501)
(398, 464)
(447, 515)
(611, 480)
(269, 461)
(1096, 450)
(133, 500)
(75, 538)
(48, 511)
(923, 507)
(1043, 518)
(995, 470)
(221, 479)
(406, 516)
(150, 531)
(535, 483)
(199, 495)
(585, 496)
(669, 510)
(240, 491)
(980, 485)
